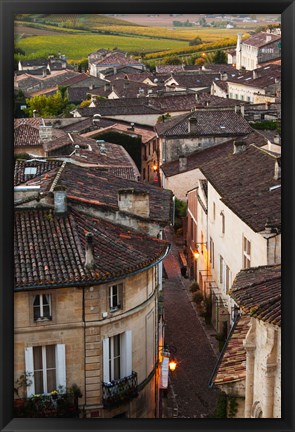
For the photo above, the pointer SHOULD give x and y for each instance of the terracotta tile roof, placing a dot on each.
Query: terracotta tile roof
(116, 58)
(221, 68)
(34, 62)
(122, 106)
(195, 80)
(75, 79)
(210, 122)
(260, 77)
(134, 76)
(26, 135)
(244, 181)
(174, 102)
(67, 140)
(168, 68)
(77, 94)
(128, 89)
(199, 157)
(29, 83)
(99, 188)
(26, 132)
(205, 99)
(42, 168)
(261, 39)
(146, 135)
(222, 84)
(232, 363)
(257, 291)
(49, 251)
(86, 124)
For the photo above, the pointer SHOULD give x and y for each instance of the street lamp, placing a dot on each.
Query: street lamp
(196, 252)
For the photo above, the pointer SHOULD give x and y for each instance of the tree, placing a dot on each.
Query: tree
(172, 60)
(196, 41)
(219, 57)
(200, 61)
(46, 106)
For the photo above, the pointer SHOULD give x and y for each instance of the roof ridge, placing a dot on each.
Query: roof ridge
(57, 176)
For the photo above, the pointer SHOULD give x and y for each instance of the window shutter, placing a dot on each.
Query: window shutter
(60, 360)
(29, 361)
(106, 359)
(127, 344)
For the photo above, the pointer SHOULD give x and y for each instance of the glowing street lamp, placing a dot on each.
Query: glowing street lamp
(172, 365)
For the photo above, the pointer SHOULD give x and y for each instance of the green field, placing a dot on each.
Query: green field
(75, 47)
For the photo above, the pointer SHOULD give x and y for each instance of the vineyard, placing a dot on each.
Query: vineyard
(225, 43)
(75, 47)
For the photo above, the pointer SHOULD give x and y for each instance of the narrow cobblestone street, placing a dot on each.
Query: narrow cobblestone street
(197, 348)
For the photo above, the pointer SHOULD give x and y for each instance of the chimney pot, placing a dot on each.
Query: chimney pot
(60, 202)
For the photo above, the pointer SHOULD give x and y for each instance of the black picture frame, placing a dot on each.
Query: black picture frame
(8, 10)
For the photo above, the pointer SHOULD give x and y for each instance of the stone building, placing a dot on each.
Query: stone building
(257, 49)
(86, 310)
(200, 129)
(249, 369)
(234, 222)
(86, 286)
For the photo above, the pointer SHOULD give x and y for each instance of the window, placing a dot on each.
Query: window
(211, 252)
(117, 356)
(202, 243)
(246, 253)
(47, 368)
(227, 279)
(222, 222)
(115, 297)
(42, 307)
(213, 211)
(220, 269)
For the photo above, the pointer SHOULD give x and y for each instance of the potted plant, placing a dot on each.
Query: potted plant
(20, 389)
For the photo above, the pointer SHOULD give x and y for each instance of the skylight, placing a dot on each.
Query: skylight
(222, 127)
(30, 170)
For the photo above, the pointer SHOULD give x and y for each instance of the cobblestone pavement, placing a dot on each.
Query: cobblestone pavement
(188, 395)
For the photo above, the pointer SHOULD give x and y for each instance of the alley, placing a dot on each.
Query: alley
(196, 355)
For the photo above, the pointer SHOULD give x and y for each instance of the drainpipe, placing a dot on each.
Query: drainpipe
(173, 211)
(249, 345)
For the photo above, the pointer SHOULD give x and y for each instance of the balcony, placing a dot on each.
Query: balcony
(116, 392)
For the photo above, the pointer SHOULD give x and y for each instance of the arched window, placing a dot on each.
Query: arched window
(256, 410)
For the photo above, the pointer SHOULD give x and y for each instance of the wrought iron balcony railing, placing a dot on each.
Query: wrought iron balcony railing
(116, 392)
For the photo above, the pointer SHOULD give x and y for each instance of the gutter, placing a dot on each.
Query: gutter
(93, 281)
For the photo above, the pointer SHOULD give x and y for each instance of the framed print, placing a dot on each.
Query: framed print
(147, 234)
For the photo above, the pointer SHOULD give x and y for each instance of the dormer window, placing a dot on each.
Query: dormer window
(115, 297)
(42, 307)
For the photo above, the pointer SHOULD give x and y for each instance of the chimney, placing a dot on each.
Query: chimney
(268, 38)
(255, 74)
(182, 160)
(277, 175)
(44, 74)
(77, 150)
(35, 113)
(45, 133)
(192, 125)
(239, 147)
(277, 139)
(60, 201)
(89, 258)
(135, 202)
(115, 70)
